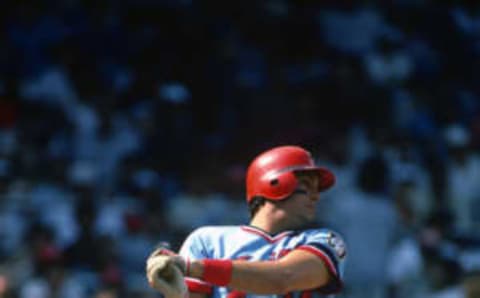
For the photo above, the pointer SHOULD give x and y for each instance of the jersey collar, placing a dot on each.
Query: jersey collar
(265, 235)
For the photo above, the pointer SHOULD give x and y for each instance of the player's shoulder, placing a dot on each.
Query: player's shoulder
(322, 233)
(324, 238)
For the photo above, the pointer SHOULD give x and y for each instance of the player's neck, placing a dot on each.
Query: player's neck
(262, 225)
(269, 222)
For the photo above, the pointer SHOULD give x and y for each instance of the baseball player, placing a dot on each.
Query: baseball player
(272, 256)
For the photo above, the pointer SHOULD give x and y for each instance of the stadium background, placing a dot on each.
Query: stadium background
(126, 123)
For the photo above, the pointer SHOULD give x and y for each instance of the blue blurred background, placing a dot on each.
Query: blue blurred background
(127, 123)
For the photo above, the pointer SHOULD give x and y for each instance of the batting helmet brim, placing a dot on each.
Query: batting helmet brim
(326, 177)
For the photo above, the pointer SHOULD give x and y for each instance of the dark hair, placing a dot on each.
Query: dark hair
(255, 204)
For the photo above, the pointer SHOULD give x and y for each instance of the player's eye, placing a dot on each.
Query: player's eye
(300, 192)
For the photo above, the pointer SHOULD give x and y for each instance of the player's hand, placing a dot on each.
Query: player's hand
(164, 250)
(166, 276)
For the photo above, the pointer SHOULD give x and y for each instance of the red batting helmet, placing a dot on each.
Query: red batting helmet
(271, 174)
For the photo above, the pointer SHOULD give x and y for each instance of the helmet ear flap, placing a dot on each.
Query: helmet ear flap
(280, 186)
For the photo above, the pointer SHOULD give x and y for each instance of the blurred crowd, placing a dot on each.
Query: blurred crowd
(125, 124)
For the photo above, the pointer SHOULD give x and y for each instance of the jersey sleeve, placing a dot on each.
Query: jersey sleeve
(194, 248)
(330, 248)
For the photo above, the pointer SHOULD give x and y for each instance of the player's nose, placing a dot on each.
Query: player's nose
(314, 195)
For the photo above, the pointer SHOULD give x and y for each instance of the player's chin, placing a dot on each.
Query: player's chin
(309, 217)
(311, 213)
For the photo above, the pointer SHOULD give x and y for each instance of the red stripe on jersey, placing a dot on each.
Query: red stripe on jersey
(236, 294)
(306, 294)
(264, 235)
(198, 286)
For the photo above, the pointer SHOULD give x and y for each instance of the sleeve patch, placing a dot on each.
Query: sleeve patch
(337, 245)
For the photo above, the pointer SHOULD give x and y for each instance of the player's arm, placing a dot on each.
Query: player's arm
(298, 270)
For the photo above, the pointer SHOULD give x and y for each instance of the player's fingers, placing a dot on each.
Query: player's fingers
(158, 284)
(154, 270)
(159, 261)
(163, 261)
(151, 274)
(161, 265)
(154, 265)
(166, 252)
(162, 249)
(181, 263)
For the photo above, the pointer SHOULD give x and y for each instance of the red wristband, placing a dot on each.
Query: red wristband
(217, 272)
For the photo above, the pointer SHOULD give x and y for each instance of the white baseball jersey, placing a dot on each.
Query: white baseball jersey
(251, 243)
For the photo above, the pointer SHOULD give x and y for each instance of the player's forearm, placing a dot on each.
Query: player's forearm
(267, 277)
(261, 278)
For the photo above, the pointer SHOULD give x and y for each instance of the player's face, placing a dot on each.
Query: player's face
(301, 206)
